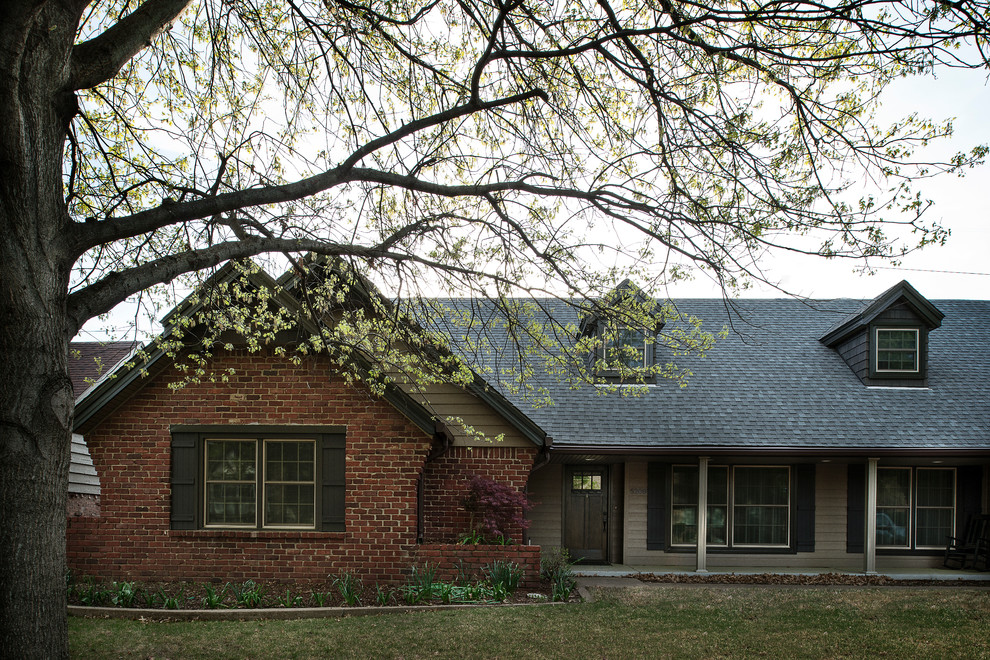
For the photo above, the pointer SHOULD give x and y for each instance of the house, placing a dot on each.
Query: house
(839, 434)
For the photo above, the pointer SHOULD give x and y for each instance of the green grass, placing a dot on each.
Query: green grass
(648, 622)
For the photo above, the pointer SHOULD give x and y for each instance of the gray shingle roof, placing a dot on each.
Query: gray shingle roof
(772, 383)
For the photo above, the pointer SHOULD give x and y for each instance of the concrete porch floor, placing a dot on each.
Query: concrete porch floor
(622, 570)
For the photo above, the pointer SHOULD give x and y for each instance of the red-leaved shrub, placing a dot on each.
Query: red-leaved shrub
(496, 510)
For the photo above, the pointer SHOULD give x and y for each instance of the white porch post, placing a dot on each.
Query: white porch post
(870, 539)
(702, 545)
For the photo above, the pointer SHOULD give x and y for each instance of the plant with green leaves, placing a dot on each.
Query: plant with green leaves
(321, 598)
(249, 594)
(123, 594)
(215, 598)
(349, 586)
(469, 148)
(504, 576)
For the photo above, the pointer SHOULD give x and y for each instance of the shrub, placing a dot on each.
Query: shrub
(495, 510)
(553, 559)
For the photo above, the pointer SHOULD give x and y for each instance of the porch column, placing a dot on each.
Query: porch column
(702, 545)
(870, 538)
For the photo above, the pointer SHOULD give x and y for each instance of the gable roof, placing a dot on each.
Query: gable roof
(126, 373)
(91, 360)
(772, 385)
(900, 292)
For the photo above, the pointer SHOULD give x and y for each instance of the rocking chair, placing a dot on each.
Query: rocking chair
(972, 548)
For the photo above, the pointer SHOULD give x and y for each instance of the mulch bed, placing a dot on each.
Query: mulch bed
(823, 579)
(190, 595)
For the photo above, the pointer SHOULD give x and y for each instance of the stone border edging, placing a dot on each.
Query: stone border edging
(272, 614)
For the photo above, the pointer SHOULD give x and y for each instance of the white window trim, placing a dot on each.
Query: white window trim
(790, 494)
(876, 350)
(909, 533)
(955, 495)
(730, 507)
(261, 482)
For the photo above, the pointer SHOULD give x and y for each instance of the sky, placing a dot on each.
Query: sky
(960, 268)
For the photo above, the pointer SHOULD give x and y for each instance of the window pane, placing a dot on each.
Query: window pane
(897, 350)
(684, 526)
(893, 487)
(290, 489)
(717, 517)
(892, 526)
(586, 481)
(685, 484)
(230, 504)
(934, 525)
(761, 506)
(936, 487)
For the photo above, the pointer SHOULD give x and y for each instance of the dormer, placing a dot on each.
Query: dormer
(626, 329)
(886, 343)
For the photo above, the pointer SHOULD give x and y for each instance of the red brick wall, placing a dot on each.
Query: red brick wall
(473, 559)
(131, 451)
(446, 481)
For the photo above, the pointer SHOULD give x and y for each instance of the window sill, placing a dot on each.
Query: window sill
(262, 534)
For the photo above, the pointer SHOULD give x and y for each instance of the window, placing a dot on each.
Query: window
(624, 346)
(586, 481)
(684, 505)
(284, 489)
(915, 507)
(753, 502)
(272, 478)
(897, 350)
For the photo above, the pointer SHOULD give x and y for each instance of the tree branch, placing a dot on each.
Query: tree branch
(91, 235)
(99, 59)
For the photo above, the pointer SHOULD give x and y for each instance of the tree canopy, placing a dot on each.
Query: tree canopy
(468, 147)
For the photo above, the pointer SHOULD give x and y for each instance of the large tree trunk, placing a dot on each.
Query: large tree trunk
(36, 106)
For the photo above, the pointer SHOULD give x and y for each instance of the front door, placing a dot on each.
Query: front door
(586, 513)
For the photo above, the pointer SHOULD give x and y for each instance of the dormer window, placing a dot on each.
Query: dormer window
(897, 350)
(625, 346)
(886, 342)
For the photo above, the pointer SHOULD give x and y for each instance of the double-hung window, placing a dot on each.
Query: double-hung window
(748, 506)
(915, 507)
(257, 478)
(625, 346)
(260, 482)
(897, 350)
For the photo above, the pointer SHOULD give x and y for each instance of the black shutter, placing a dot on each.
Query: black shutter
(656, 506)
(185, 480)
(855, 507)
(969, 493)
(805, 497)
(332, 482)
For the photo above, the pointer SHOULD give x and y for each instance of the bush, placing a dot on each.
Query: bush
(495, 510)
(555, 566)
(553, 559)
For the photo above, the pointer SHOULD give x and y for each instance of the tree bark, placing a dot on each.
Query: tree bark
(35, 391)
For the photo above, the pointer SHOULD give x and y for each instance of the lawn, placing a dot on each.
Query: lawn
(647, 622)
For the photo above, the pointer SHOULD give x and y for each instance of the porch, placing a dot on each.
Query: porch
(632, 571)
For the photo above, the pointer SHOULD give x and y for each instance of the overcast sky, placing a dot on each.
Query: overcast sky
(960, 269)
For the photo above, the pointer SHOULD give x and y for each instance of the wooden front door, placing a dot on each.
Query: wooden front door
(586, 513)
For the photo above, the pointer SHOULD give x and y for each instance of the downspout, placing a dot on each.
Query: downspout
(542, 460)
(442, 441)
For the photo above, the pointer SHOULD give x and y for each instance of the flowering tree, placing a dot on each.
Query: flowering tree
(471, 147)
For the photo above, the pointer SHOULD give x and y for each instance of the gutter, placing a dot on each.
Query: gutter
(727, 450)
